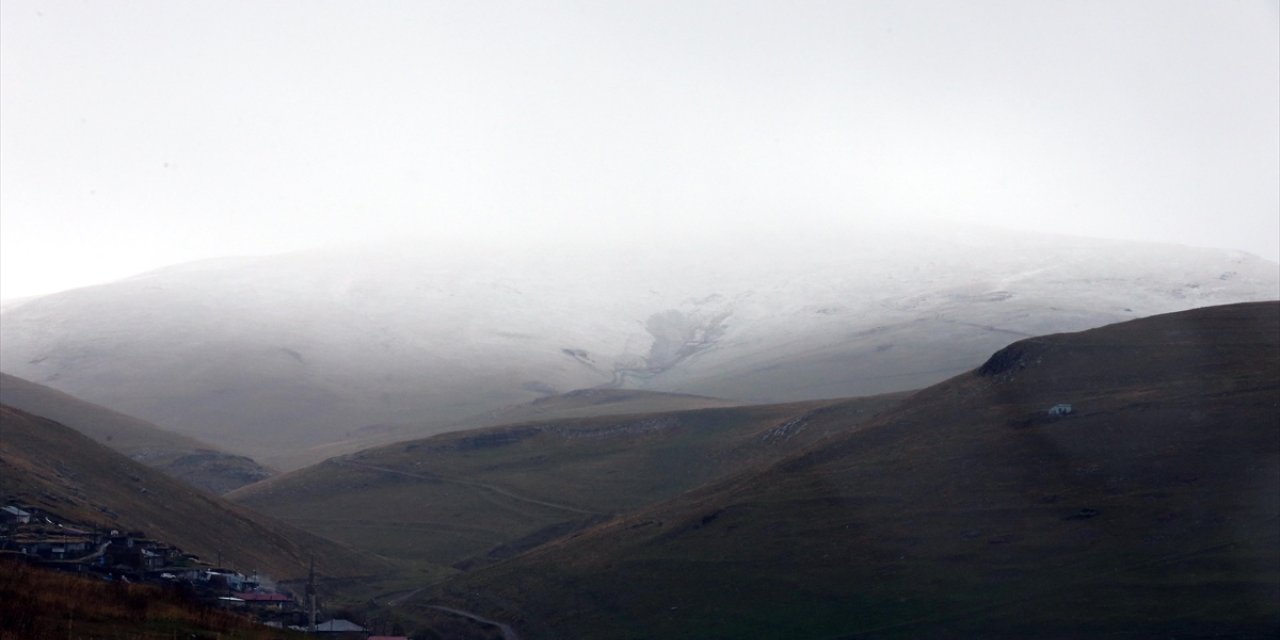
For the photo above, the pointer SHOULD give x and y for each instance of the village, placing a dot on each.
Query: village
(34, 536)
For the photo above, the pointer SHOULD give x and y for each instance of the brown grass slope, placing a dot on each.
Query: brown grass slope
(478, 496)
(42, 604)
(48, 465)
(197, 463)
(1153, 510)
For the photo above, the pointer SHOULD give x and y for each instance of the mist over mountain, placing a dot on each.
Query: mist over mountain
(269, 355)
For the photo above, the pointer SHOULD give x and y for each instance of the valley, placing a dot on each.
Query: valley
(630, 320)
(1127, 470)
(475, 497)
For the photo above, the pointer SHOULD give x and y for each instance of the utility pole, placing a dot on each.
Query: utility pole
(311, 594)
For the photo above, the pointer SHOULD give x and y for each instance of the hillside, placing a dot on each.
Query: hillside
(589, 403)
(477, 496)
(1150, 510)
(43, 604)
(581, 403)
(266, 356)
(52, 467)
(196, 463)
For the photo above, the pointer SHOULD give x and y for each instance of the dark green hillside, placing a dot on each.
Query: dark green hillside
(192, 461)
(52, 467)
(472, 497)
(1151, 510)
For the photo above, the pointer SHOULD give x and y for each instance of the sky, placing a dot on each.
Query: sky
(135, 135)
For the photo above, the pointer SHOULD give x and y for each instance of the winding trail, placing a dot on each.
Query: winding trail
(507, 632)
(396, 598)
(469, 483)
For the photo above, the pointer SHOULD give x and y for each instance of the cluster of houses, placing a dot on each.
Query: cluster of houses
(33, 535)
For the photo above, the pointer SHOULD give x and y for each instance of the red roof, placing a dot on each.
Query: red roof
(265, 597)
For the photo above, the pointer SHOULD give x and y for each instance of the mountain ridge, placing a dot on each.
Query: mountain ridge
(308, 348)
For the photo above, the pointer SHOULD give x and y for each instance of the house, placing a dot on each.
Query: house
(232, 580)
(188, 574)
(276, 601)
(120, 540)
(14, 515)
(132, 552)
(52, 547)
(151, 561)
(336, 629)
(339, 626)
(66, 547)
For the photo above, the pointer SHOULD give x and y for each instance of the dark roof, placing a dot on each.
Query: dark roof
(338, 625)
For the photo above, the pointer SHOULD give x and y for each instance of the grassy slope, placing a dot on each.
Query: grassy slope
(190, 460)
(591, 403)
(1151, 511)
(50, 466)
(583, 403)
(40, 604)
(481, 495)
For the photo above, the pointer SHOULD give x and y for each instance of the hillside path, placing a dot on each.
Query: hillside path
(470, 483)
(396, 598)
(507, 632)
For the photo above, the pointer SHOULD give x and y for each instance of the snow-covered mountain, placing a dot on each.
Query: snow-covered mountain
(273, 355)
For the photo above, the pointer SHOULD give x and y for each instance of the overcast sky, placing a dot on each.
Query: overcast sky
(139, 134)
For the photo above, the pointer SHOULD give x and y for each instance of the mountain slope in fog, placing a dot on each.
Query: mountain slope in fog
(196, 463)
(266, 355)
(1149, 510)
